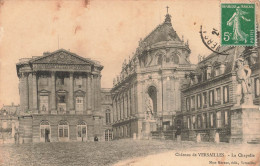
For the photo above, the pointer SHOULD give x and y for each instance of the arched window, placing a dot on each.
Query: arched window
(63, 131)
(82, 131)
(108, 118)
(152, 92)
(45, 131)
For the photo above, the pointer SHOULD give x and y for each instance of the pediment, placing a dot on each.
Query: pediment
(61, 57)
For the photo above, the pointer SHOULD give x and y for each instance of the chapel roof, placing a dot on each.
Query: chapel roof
(163, 32)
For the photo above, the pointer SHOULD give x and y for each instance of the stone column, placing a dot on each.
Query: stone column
(71, 96)
(99, 94)
(53, 93)
(35, 93)
(93, 93)
(23, 88)
(128, 101)
(85, 81)
(89, 96)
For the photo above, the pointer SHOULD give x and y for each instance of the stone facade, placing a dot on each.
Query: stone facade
(146, 95)
(210, 107)
(60, 98)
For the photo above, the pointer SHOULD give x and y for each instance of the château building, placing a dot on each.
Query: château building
(209, 98)
(146, 95)
(60, 98)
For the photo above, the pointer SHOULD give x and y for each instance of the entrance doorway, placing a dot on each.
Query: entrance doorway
(45, 131)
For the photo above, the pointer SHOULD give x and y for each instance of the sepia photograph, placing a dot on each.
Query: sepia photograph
(129, 83)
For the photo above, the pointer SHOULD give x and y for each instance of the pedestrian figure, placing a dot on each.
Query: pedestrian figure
(95, 138)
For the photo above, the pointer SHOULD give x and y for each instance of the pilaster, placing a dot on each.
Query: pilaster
(35, 94)
(71, 96)
(53, 93)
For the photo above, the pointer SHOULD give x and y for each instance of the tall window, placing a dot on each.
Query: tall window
(199, 100)
(204, 99)
(63, 129)
(226, 94)
(257, 88)
(79, 104)
(61, 104)
(108, 118)
(192, 102)
(204, 118)
(211, 120)
(82, 131)
(193, 122)
(108, 135)
(219, 119)
(211, 97)
(185, 122)
(188, 104)
(43, 107)
(199, 121)
(218, 95)
(189, 123)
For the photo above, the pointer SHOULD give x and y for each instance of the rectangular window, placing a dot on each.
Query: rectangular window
(211, 120)
(192, 102)
(211, 97)
(193, 122)
(219, 119)
(60, 80)
(225, 94)
(217, 95)
(199, 100)
(79, 104)
(199, 121)
(188, 104)
(189, 123)
(108, 117)
(205, 125)
(204, 99)
(185, 122)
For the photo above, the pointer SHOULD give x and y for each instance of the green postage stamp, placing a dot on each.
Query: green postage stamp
(238, 24)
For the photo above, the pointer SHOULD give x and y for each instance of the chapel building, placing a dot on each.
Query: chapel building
(146, 95)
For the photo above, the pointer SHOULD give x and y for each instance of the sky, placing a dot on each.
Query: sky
(106, 31)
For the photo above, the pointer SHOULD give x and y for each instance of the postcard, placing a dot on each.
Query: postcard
(139, 83)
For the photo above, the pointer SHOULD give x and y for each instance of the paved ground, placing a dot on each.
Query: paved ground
(122, 152)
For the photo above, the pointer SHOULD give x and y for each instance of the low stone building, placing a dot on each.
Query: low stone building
(8, 122)
(60, 98)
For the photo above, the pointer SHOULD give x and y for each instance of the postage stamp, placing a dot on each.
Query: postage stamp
(238, 24)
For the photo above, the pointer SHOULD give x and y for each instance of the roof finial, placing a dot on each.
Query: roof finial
(167, 7)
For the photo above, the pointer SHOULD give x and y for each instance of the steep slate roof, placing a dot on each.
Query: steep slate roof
(163, 32)
(215, 58)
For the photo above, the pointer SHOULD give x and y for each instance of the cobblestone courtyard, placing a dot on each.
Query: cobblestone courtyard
(96, 153)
